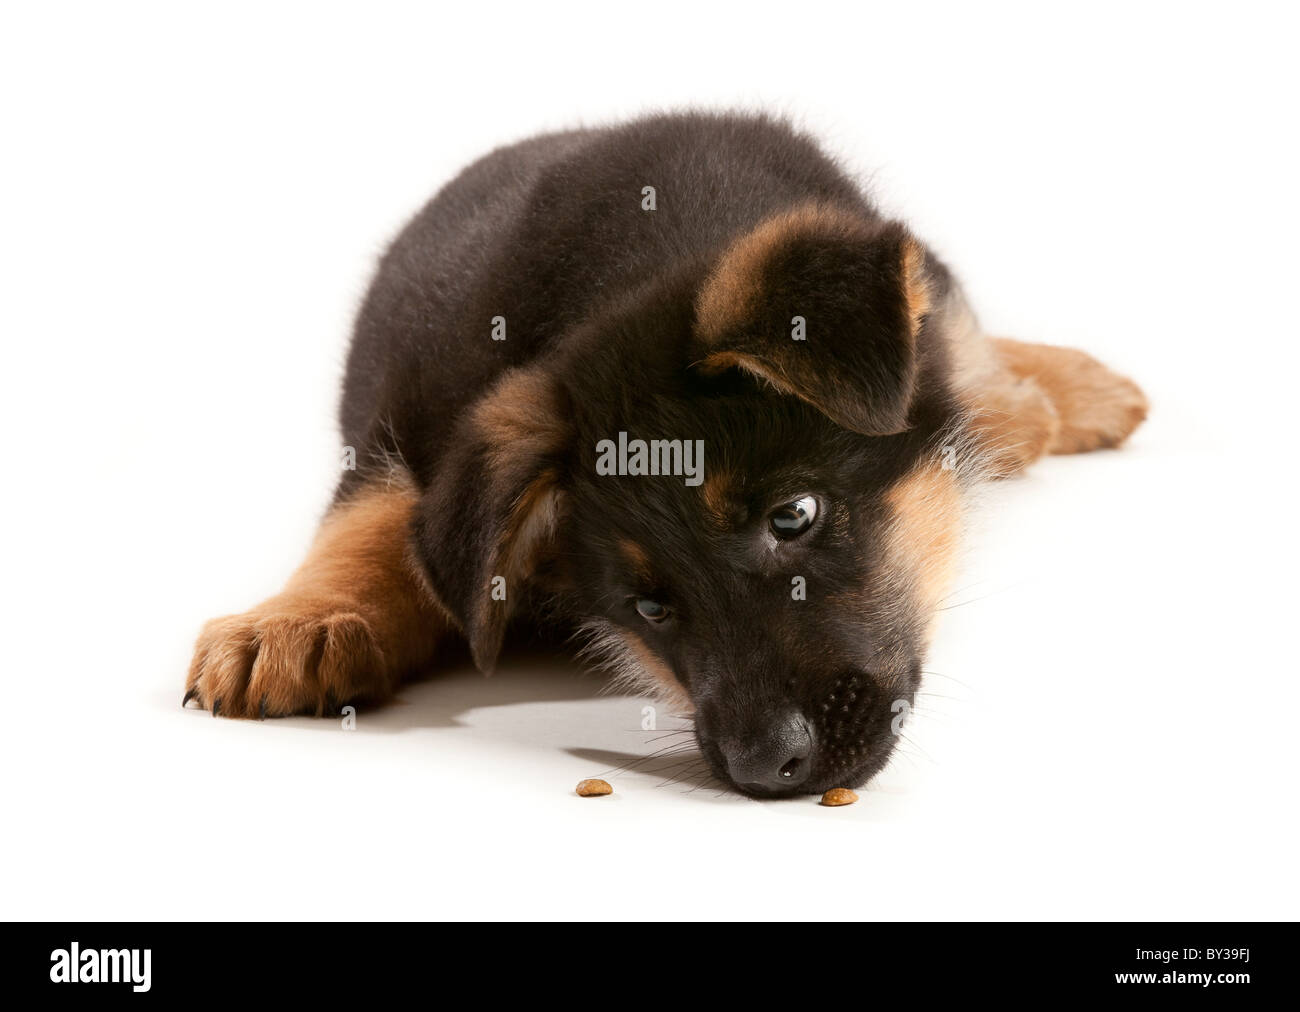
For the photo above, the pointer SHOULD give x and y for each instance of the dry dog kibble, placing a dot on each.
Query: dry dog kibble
(838, 796)
(593, 789)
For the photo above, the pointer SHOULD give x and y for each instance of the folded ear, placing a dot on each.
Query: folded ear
(494, 503)
(825, 304)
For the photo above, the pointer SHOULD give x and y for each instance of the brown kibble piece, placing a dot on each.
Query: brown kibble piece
(593, 789)
(837, 796)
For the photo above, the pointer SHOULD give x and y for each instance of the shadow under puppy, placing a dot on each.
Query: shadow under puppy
(678, 385)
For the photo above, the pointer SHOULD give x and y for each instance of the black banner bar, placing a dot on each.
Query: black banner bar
(143, 961)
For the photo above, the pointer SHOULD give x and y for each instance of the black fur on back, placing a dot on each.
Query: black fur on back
(545, 233)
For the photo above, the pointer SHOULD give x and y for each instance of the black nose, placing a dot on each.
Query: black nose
(778, 760)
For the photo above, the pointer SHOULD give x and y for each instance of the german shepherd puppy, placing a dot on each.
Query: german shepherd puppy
(679, 386)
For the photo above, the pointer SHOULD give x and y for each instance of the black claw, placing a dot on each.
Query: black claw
(216, 707)
(189, 694)
(261, 710)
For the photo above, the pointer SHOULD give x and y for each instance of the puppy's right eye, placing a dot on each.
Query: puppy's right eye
(651, 611)
(794, 518)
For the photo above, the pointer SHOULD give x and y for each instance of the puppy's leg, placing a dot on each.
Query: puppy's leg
(352, 621)
(1013, 421)
(1096, 407)
(1029, 399)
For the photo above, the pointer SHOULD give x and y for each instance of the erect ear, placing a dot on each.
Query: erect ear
(494, 503)
(859, 285)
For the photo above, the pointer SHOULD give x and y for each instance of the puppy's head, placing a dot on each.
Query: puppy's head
(736, 482)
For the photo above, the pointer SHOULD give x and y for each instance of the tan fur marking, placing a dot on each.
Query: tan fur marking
(970, 355)
(926, 508)
(916, 283)
(351, 622)
(662, 676)
(527, 537)
(521, 416)
(729, 295)
(766, 372)
(636, 559)
(520, 421)
(717, 494)
(532, 521)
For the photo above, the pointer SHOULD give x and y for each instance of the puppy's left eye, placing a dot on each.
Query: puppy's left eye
(651, 611)
(794, 518)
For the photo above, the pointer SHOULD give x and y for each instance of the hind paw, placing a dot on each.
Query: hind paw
(1097, 407)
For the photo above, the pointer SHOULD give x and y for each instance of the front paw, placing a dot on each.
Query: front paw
(286, 656)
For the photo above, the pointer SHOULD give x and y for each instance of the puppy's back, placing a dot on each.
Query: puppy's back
(540, 234)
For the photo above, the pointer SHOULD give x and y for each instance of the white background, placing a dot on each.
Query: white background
(192, 204)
